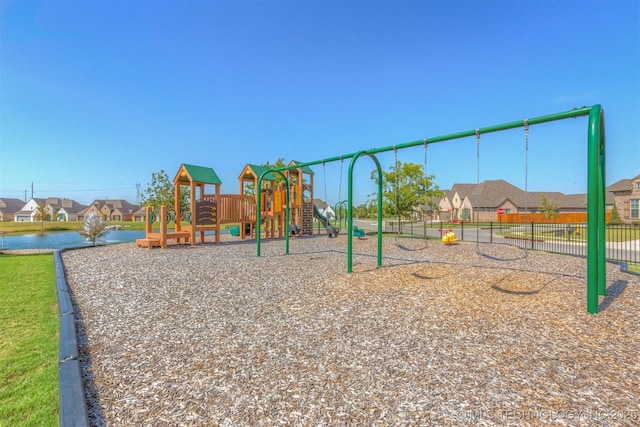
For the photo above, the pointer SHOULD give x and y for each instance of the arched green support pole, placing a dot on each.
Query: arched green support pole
(350, 209)
(596, 211)
(259, 211)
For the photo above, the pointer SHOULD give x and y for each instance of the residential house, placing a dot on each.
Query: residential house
(9, 207)
(110, 210)
(28, 211)
(64, 209)
(325, 209)
(480, 202)
(626, 193)
(58, 209)
(140, 214)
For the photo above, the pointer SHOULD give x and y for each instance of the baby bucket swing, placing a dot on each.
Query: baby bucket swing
(332, 230)
(526, 192)
(341, 210)
(423, 241)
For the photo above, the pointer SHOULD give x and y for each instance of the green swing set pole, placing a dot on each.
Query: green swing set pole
(596, 210)
(259, 211)
(350, 210)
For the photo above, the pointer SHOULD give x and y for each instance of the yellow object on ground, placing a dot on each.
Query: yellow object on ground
(450, 237)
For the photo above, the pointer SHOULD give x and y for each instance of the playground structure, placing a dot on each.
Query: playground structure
(291, 198)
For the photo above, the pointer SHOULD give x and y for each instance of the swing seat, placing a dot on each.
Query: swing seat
(295, 230)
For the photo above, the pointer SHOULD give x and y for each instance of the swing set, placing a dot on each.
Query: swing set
(596, 237)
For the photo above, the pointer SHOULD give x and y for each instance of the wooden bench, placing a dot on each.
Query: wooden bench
(148, 242)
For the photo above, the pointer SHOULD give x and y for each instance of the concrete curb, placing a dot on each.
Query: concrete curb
(73, 408)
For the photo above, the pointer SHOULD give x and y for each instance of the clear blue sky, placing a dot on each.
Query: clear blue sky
(95, 96)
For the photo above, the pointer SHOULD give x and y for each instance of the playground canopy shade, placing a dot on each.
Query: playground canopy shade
(200, 174)
(256, 170)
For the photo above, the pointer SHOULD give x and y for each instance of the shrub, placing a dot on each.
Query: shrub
(94, 228)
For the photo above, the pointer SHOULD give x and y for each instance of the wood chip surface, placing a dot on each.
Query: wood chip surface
(440, 335)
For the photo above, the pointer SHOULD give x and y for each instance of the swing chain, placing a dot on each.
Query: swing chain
(395, 168)
(340, 187)
(426, 179)
(324, 176)
(526, 166)
(425, 155)
(477, 174)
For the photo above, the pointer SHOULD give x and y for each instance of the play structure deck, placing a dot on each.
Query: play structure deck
(208, 211)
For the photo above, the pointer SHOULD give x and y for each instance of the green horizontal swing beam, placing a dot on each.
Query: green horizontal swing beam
(596, 243)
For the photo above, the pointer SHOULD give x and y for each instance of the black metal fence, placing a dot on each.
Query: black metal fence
(623, 240)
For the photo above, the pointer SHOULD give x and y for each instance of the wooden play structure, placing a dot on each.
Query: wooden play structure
(272, 202)
(204, 209)
(208, 211)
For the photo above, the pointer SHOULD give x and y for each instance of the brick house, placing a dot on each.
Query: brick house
(63, 209)
(626, 194)
(111, 210)
(479, 202)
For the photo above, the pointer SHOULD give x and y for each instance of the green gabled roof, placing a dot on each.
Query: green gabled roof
(259, 170)
(202, 174)
(305, 169)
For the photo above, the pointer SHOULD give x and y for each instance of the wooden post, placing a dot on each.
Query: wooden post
(148, 227)
(163, 227)
(218, 213)
(192, 203)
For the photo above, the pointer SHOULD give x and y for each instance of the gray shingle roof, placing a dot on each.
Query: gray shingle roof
(9, 205)
(625, 184)
(490, 194)
(120, 204)
(493, 193)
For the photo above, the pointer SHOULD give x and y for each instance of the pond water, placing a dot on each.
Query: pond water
(63, 239)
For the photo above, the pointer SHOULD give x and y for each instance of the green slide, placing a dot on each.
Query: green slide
(331, 230)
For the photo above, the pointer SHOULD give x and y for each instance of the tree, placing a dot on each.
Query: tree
(278, 164)
(94, 228)
(369, 209)
(160, 192)
(615, 215)
(549, 210)
(249, 186)
(42, 215)
(405, 187)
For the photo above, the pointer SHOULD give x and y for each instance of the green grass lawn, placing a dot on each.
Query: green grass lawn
(29, 336)
(36, 227)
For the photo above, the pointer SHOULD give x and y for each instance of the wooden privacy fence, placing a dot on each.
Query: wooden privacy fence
(562, 218)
